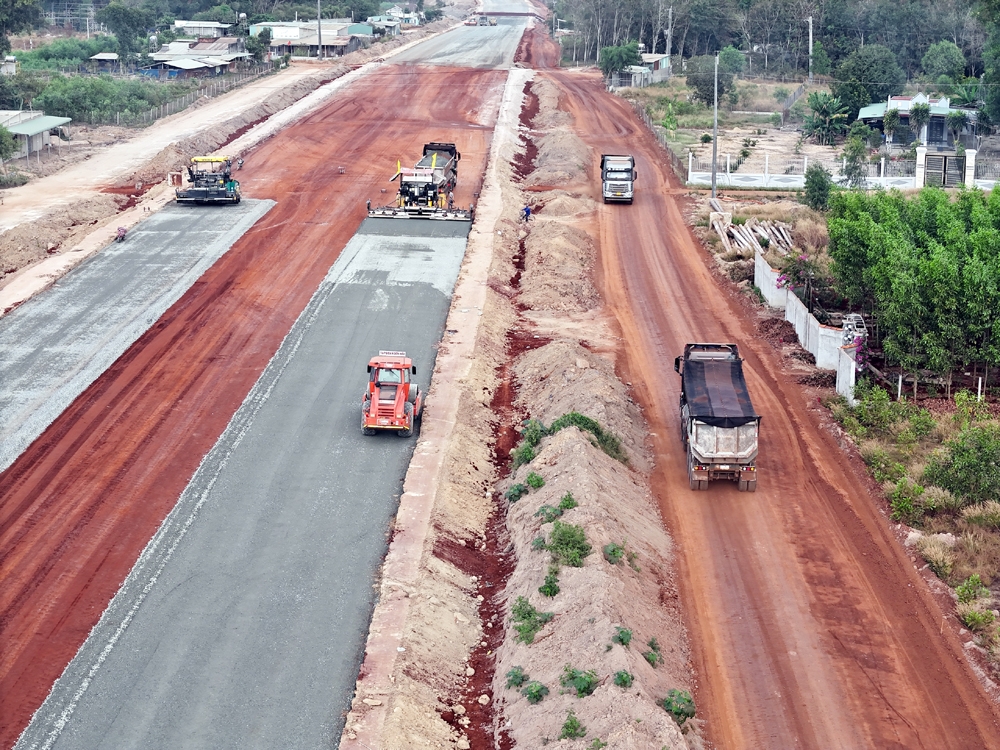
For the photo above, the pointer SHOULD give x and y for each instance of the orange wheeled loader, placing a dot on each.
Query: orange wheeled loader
(391, 401)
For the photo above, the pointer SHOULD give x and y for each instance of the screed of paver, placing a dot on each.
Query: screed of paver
(402, 563)
(78, 506)
(57, 344)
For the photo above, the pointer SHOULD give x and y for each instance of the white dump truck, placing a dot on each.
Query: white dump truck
(718, 424)
(618, 175)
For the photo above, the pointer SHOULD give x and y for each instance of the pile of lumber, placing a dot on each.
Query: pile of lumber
(748, 236)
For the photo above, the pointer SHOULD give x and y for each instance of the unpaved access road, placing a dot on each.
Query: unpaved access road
(82, 501)
(810, 626)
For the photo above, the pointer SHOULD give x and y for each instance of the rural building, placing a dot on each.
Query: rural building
(385, 25)
(934, 134)
(33, 130)
(658, 65)
(196, 59)
(104, 62)
(301, 38)
(8, 67)
(202, 29)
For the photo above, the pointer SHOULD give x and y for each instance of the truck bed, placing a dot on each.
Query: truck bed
(716, 393)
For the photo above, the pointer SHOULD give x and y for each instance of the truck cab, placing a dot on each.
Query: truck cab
(618, 175)
(484, 21)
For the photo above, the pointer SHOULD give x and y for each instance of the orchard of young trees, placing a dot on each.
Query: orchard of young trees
(927, 269)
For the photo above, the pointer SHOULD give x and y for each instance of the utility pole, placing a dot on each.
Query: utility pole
(670, 37)
(319, 31)
(810, 19)
(715, 124)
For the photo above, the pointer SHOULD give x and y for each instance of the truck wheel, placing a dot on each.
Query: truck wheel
(743, 485)
(703, 485)
(751, 485)
(408, 411)
(364, 410)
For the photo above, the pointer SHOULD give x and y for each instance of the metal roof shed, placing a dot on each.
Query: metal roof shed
(34, 133)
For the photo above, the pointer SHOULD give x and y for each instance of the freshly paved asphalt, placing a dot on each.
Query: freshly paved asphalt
(57, 343)
(469, 46)
(252, 635)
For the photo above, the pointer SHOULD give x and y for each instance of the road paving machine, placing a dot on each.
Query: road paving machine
(426, 191)
(210, 180)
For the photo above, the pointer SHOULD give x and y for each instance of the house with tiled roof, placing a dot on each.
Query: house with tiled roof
(934, 134)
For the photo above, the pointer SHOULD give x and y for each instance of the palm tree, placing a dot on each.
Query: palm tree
(920, 115)
(828, 118)
(966, 94)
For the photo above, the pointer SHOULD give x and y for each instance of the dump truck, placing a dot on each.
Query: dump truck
(210, 180)
(493, 21)
(424, 189)
(719, 427)
(392, 401)
(618, 175)
(484, 21)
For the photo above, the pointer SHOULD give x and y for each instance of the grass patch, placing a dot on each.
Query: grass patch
(606, 441)
(653, 656)
(985, 514)
(567, 502)
(580, 682)
(548, 514)
(528, 620)
(535, 481)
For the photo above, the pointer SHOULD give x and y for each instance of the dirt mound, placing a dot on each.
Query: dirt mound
(563, 376)
(30, 242)
(777, 331)
(560, 203)
(558, 261)
(561, 156)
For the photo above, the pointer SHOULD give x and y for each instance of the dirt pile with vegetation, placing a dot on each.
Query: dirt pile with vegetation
(593, 646)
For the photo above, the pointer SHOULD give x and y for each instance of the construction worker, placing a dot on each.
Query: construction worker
(451, 200)
(527, 213)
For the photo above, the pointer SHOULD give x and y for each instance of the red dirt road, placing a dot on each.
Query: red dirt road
(809, 625)
(79, 505)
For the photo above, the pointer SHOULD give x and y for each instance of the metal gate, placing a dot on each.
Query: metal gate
(944, 171)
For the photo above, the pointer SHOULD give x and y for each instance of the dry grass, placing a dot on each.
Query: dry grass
(977, 551)
(810, 232)
(987, 514)
(938, 554)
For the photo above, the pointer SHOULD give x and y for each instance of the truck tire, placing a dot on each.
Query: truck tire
(751, 485)
(408, 411)
(365, 407)
(744, 484)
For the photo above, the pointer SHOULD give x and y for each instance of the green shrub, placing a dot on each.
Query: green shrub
(516, 492)
(567, 502)
(605, 440)
(875, 409)
(984, 514)
(533, 432)
(624, 679)
(970, 466)
(622, 636)
(679, 705)
(516, 677)
(551, 586)
(572, 729)
(102, 97)
(597, 744)
(528, 620)
(548, 514)
(706, 138)
(968, 409)
(614, 553)
(568, 544)
(535, 481)
(976, 616)
(13, 178)
(905, 501)
(538, 543)
(883, 468)
(653, 656)
(971, 589)
(523, 454)
(534, 691)
(922, 423)
(583, 683)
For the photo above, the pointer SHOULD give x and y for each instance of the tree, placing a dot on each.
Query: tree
(660, 47)
(920, 115)
(855, 162)
(259, 45)
(853, 95)
(818, 185)
(821, 61)
(701, 78)
(8, 146)
(873, 68)
(828, 118)
(129, 25)
(890, 122)
(943, 59)
(957, 122)
(731, 60)
(15, 16)
(613, 59)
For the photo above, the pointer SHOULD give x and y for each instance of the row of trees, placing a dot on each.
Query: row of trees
(927, 268)
(776, 32)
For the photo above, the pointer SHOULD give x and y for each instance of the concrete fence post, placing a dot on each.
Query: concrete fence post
(921, 171)
(690, 164)
(970, 167)
(727, 164)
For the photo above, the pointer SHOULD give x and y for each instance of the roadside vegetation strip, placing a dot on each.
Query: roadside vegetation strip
(939, 472)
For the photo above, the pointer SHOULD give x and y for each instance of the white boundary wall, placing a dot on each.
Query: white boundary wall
(823, 342)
